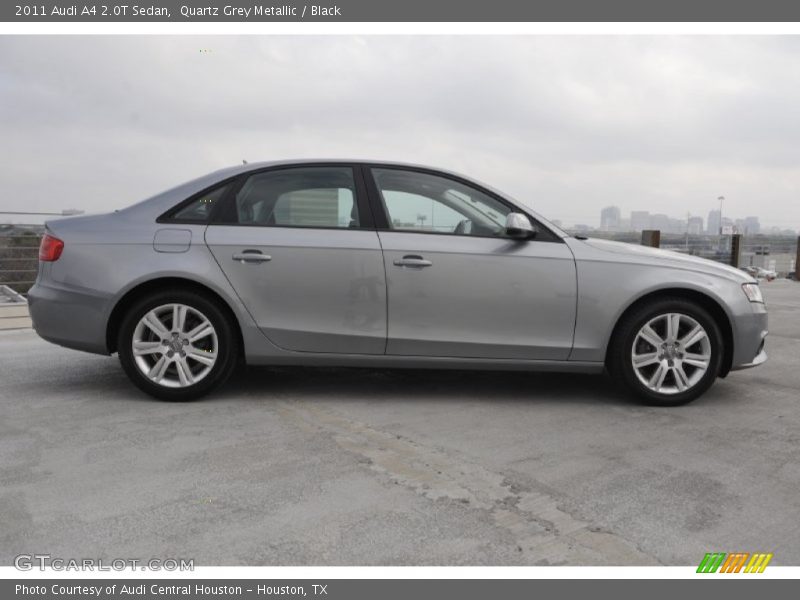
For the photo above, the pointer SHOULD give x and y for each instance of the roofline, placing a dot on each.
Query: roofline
(344, 161)
(161, 202)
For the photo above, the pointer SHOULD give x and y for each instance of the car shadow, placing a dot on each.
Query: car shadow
(101, 377)
(322, 384)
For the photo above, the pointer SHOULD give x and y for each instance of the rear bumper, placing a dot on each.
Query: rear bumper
(71, 318)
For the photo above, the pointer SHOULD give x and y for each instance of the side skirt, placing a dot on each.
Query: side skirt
(381, 361)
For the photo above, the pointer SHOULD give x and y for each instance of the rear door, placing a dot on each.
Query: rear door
(457, 286)
(299, 247)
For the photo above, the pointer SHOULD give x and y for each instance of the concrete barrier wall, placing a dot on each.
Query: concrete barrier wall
(14, 316)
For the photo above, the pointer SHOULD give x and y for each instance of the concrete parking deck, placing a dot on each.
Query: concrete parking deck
(341, 466)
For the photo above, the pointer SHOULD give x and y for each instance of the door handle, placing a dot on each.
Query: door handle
(251, 256)
(412, 260)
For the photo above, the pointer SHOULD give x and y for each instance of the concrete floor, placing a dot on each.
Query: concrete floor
(338, 466)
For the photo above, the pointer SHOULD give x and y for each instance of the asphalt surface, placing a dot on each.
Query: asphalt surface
(348, 466)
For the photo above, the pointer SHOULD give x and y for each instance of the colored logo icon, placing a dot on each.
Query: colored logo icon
(735, 562)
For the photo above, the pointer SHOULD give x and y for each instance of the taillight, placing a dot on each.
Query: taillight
(50, 248)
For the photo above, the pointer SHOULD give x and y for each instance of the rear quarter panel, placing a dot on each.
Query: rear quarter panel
(106, 256)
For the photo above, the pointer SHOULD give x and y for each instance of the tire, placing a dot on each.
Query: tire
(167, 364)
(666, 369)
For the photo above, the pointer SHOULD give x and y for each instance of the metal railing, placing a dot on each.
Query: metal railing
(779, 255)
(19, 255)
(771, 253)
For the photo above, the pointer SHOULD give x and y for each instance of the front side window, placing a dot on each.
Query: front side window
(296, 197)
(424, 202)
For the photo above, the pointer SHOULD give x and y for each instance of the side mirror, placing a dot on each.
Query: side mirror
(519, 227)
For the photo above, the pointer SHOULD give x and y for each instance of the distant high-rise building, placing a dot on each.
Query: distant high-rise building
(660, 222)
(640, 220)
(713, 223)
(609, 218)
(752, 226)
(676, 226)
(695, 225)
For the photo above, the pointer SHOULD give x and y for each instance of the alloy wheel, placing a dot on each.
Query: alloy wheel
(671, 353)
(175, 345)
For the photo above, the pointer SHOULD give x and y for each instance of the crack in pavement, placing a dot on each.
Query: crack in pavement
(544, 533)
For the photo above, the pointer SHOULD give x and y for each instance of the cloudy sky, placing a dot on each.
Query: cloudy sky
(567, 124)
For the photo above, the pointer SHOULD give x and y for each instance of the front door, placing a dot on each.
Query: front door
(297, 248)
(457, 286)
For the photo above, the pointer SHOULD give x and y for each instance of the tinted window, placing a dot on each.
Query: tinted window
(423, 202)
(298, 197)
(199, 210)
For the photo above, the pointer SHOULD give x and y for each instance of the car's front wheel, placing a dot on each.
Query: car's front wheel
(668, 352)
(177, 345)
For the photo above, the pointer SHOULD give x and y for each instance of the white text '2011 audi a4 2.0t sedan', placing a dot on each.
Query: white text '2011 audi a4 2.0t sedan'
(369, 264)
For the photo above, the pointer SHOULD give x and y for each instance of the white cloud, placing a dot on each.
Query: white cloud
(566, 123)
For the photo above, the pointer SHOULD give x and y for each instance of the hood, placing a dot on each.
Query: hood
(657, 256)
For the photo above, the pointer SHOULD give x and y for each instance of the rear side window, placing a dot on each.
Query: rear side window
(199, 209)
(296, 197)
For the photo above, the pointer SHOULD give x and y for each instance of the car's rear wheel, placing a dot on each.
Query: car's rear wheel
(667, 352)
(177, 345)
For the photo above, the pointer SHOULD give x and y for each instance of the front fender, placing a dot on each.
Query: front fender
(609, 285)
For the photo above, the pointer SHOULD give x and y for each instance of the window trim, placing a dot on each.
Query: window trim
(382, 218)
(366, 219)
(372, 215)
(364, 212)
(168, 215)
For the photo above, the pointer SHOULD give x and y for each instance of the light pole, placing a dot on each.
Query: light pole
(688, 218)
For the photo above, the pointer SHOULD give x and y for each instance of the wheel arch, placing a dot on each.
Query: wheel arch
(709, 303)
(133, 295)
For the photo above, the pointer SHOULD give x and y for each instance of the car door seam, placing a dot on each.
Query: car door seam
(386, 294)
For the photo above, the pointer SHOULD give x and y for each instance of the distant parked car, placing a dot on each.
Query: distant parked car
(760, 273)
(767, 274)
(381, 265)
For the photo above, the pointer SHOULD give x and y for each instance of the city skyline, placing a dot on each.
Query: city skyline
(611, 220)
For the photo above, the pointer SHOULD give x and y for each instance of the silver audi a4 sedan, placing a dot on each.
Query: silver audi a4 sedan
(368, 264)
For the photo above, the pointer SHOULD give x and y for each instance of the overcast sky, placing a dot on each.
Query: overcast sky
(567, 124)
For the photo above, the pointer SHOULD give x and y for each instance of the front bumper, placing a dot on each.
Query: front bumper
(760, 357)
(750, 328)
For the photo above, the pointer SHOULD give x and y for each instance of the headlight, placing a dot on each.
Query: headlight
(753, 292)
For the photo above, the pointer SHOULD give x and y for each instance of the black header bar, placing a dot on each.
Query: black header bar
(405, 11)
